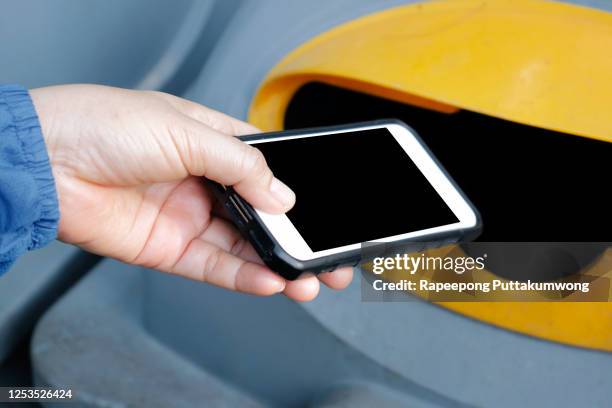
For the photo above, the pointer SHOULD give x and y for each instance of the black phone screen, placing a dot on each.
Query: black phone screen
(354, 187)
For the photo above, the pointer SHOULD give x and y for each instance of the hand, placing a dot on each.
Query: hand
(127, 166)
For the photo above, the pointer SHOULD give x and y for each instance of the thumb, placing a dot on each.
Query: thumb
(229, 161)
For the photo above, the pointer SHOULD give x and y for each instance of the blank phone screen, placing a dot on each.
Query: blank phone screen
(354, 187)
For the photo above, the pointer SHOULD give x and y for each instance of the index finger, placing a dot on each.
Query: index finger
(229, 161)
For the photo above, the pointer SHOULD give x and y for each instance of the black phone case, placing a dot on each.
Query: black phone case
(275, 257)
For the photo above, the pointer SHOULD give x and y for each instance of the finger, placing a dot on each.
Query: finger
(303, 289)
(208, 263)
(217, 120)
(227, 160)
(249, 254)
(338, 279)
(225, 236)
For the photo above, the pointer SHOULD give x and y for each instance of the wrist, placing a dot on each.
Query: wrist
(45, 108)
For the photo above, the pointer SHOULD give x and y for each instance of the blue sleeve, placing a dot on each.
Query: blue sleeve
(29, 212)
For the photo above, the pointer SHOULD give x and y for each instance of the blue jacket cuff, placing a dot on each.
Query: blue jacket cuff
(26, 153)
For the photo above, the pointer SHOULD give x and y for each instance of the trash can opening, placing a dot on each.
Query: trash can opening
(530, 184)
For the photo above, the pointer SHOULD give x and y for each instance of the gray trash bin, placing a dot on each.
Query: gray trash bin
(123, 328)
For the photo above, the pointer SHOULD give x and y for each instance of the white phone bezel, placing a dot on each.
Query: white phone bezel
(288, 237)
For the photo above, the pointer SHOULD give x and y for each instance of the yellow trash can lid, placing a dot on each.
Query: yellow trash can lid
(540, 63)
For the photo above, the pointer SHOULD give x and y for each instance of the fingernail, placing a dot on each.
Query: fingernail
(280, 285)
(282, 193)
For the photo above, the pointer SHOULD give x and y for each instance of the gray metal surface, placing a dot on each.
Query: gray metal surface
(98, 340)
(473, 362)
(605, 5)
(271, 347)
(359, 395)
(111, 42)
(94, 342)
(260, 34)
(29, 288)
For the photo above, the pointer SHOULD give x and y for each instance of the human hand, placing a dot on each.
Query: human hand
(127, 166)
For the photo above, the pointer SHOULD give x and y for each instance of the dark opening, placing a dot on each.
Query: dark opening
(530, 184)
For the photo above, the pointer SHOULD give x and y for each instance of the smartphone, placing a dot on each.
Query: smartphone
(373, 183)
